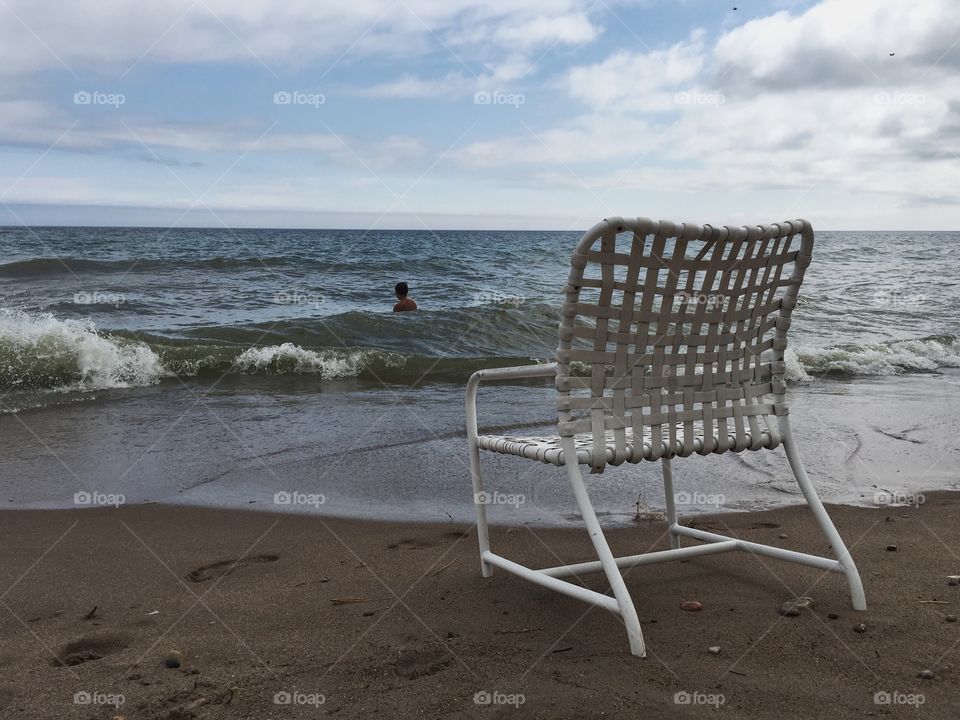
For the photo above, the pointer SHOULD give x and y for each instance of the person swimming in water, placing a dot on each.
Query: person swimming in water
(405, 302)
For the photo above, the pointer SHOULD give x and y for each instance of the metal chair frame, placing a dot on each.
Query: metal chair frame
(668, 374)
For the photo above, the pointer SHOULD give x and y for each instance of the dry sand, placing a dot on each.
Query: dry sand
(93, 600)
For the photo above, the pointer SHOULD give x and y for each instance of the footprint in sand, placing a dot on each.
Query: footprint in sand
(228, 567)
(90, 647)
(457, 534)
(417, 662)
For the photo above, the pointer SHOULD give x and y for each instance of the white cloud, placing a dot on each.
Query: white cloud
(411, 87)
(571, 28)
(588, 138)
(114, 35)
(35, 124)
(634, 76)
(498, 77)
(842, 43)
(801, 102)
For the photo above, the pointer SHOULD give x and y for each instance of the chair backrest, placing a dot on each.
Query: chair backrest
(679, 330)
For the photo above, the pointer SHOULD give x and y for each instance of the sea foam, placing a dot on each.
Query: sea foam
(44, 351)
(41, 351)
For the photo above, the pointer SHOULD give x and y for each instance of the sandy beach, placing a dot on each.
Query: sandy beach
(255, 258)
(280, 616)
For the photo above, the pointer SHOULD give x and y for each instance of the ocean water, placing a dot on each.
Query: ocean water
(126, 327)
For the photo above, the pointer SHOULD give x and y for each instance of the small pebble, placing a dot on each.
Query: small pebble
(793, 606)
(953, 580)
(324, 579)
(861, 628)
(782, 536)
(925, 675)
(951, 618)
(691, 606)
(832, 616)
(368, 613)
(173, 659)
(892, 548)
(714, 650)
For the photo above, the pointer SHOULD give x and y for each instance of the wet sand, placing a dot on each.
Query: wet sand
(239, 444)
(357, 619)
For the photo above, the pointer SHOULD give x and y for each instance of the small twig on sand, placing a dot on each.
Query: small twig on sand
(517, 632)
(934, 602)
(444, 567)
(348, 600)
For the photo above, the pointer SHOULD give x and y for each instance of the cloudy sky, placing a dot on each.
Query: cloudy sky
(479, 113)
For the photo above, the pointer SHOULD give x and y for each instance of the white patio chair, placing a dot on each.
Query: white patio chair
(671, 343)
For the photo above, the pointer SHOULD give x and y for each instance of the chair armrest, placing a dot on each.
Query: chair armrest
(507, 373)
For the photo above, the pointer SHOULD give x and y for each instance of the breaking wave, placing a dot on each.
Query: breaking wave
(41, 351)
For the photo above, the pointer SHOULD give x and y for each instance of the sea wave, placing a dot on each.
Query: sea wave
(925, 354)
(44, 352)
(41, 351)
(45, 266)
(42, 267)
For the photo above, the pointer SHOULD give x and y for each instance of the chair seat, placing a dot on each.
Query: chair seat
(549, 449)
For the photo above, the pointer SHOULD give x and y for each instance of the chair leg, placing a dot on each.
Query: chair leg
(857, 597)
(671, 501)
(628, 612)
(479, 502)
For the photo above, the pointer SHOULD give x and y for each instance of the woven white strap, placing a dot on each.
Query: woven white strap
(678, 324)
